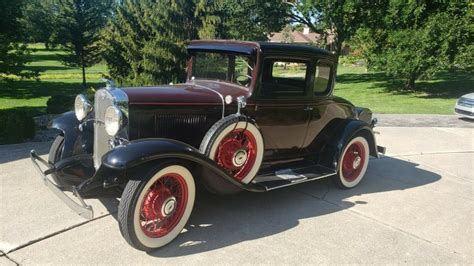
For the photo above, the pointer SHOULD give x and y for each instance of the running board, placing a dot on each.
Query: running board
(288, 177)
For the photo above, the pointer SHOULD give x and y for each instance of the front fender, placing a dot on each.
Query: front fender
(139, 152)
(346, 130)
(75, 141)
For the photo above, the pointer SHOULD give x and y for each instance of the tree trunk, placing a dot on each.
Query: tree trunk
(83, 72)
(410, 83)
(337, 50)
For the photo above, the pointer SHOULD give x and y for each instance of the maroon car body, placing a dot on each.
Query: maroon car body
(250, 116)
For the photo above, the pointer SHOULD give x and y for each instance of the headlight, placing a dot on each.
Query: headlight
(82, 107)
(113, 120)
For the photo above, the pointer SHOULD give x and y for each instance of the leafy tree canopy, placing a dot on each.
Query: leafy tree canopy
(336, 21)
(146, 40)
(38, 20)
(13, 54)
(416, 39)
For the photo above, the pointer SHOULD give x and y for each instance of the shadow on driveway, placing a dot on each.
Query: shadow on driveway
(219, 221)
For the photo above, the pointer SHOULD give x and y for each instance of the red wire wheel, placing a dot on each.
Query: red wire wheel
(163, 205)
(237, 152)
(353, 161)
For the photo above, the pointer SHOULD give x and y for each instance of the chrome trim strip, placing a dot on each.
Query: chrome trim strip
(298, 182)
(83, 209)
(216, 92)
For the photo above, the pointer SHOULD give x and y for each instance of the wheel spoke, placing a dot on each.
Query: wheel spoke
(156, 218)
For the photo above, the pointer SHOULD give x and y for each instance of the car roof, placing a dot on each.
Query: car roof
(286, 47)
(247, 47)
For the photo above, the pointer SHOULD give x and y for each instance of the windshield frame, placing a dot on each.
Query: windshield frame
(253, 58)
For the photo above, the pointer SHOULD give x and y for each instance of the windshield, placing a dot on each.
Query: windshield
(225, 67)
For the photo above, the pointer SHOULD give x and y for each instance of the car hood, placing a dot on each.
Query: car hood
(198, 92)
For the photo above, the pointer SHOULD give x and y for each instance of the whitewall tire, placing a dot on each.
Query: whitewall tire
(154, 210)
(353, 163)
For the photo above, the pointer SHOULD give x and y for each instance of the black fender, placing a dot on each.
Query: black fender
(346, 130)
(76, 141)
(139, 153)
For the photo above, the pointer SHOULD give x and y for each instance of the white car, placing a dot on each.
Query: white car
(465, 106)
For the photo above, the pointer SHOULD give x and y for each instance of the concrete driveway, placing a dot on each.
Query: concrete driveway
(415, 205)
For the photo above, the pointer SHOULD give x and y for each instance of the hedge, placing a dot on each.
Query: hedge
(59, 104)
(16, 125)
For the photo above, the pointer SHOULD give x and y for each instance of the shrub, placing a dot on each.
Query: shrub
(58, 104)
(17, 125)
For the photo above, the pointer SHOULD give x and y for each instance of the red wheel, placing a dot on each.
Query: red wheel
(236, 146)
(163, 205)
(154, 209)
(353, 163)
(237, 153)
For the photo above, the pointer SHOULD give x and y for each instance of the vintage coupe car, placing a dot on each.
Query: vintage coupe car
(251, 116)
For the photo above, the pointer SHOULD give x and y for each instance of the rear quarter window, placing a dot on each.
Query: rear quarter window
(323, 78)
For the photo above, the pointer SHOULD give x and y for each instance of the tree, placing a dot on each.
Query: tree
(249, 20)
(13, 54)
(146, 40)
(38, 20)
(417, 39)
(338, 19)
(286, 35)
(77, 29)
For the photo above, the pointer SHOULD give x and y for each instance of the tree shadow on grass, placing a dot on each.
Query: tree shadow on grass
(44, 57)
(27, 88)
(46, 68)
(447, 85)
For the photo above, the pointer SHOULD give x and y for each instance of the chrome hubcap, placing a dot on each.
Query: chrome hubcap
(356, 163)
(240, 157)
(168, 207)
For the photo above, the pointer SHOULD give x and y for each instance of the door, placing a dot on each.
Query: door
(281, 110)
(324, 108)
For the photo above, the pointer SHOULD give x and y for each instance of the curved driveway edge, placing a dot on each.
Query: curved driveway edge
(411, 120)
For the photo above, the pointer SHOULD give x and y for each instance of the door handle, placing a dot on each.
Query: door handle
(308, 108)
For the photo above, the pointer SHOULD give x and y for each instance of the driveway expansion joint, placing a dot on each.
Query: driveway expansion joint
(34, 241)
(3, 254)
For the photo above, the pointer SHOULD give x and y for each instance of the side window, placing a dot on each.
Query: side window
(284, 77)
(322, 80)
(289, 70)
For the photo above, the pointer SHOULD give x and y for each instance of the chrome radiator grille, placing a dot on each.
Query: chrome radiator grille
(102, 100)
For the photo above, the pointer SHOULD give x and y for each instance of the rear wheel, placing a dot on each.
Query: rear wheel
(353, 163)
(55, 154)
(155, 208)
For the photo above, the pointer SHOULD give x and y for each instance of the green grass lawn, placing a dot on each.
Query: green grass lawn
(372, 90)
(54, 79)
(382, 95)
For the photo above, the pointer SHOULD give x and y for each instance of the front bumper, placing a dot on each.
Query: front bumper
(464, 111)
(79, 206)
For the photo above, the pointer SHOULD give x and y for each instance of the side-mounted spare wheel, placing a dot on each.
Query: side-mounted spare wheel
(155, 205)
(235, 144)
(352, 163)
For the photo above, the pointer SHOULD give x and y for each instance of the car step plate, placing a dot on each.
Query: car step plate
(287, 177)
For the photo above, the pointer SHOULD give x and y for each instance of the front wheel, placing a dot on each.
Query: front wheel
(353, 163)
(155, 208)
(55, 154)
